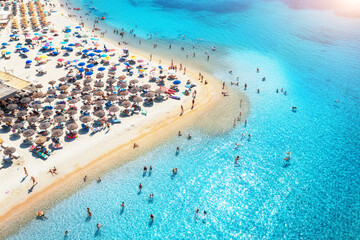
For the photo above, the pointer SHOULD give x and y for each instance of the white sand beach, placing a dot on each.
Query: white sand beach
(92, 154)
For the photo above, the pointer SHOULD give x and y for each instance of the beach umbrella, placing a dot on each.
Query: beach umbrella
(150, 94)
(110, 81)
(40, 140)
(72, 126)
(72, 111)
(44, 125)
(138, 99)
(85, 51)
(159, 90)
(90, 65)
(99, 102)
(59, 119)
(113, 98)
(75, 91)
(101, 69)
(36, 105)
(123, 85)
(89, 73)
(126, 104)
(134, 81)
(176, 82)
(49, 99)
(62, 96)
(124, 93)
(134, 90)
(57, 133)
(86, 97)
(99, 84)
(110, 89)
(81, 63)
(33, 119)
(122, 77)
(91, 54)
(85, 119)
(114, 109)
(18, 125)
(146, 86)
(52, 82)
(86, 107)
(64, 87)
(99, 93)
(38, 95)
(71, 45)
(81, 70)
(39, 86)
(12, 107)
(73, 101)
(60, 107)
(21, 113)
(87, 88)
(47, 113)
(60, 60)
(28, 61)
(51, 91)
(98, 51)
(28, 132)
(88, 80)
(99, 113)
(9, 150)
(63, 79)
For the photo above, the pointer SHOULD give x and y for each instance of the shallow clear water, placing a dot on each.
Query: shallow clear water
(315, 56)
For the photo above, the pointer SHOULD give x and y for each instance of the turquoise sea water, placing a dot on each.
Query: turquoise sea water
(312, 54)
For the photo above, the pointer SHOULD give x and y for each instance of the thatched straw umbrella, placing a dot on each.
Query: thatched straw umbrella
(9, 150)
(123, 85)
(40, 140)
(12, 107)
(146, 86)
(33, 119)
(150, 94)
(133, 81)
(85, 119)
(134, 90)
(59, 119)
(112, 97)
(18, 125)
(126, 104)
(85, 107)
(99, 113)
(99, 84)
(114, 109)
(72, 126)
(44, 125)
(48, 113)
(86, 97)
(7, 119)
(28, 133)
(138, 99)
(57, 133)
(111, 81)
(21, 113)
(25, 100)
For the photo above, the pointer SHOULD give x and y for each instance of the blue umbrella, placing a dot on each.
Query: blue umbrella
(98, 51)
(81, 64)
(28, 61)
(91, 54)
(51, 49)
(77, 27)
(25, 50)
(17, 35)
(8, 53)
(90, 65)
(68, 30)
(81, 70)
(36, 34)
(71, 45)
(51, 44)
(69, 48)
(103, 55)
(85, 50)
(18, 46)
(56, 53)
(176, 82)
(88, 73)
(101, 68)
(45, 47)
(127, 64)
(4, 44)
(12, 35)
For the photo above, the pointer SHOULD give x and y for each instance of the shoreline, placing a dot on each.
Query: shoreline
(17, 215)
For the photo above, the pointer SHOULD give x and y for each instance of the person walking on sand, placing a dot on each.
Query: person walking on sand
(26, 173)
(193, 104)
(33, 180)
(223, 85)
(135, 145)
(182, 110)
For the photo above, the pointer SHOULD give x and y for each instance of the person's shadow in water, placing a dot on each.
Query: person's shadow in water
(88, 218)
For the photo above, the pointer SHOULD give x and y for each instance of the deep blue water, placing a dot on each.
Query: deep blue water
(312, 54)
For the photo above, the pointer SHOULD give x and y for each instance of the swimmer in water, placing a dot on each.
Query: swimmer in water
(140, 186)
(123, 205)
(99, 180)
(197, 213)
(152, 218)
(175, 170)
(145, 168)
(179, 134)
(98, 225)
(151, 168)
(189, 136)
(89, 212)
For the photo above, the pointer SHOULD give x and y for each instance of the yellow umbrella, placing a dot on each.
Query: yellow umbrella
(43, 56)
(133, 57)
(80, 47)
(107, 58)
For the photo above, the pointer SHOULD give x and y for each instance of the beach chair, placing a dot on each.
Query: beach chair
(7, 158)
(115, 120)
(15, 155)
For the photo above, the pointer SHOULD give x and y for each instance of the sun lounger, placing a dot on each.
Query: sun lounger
(7, 158)
(15, 155)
